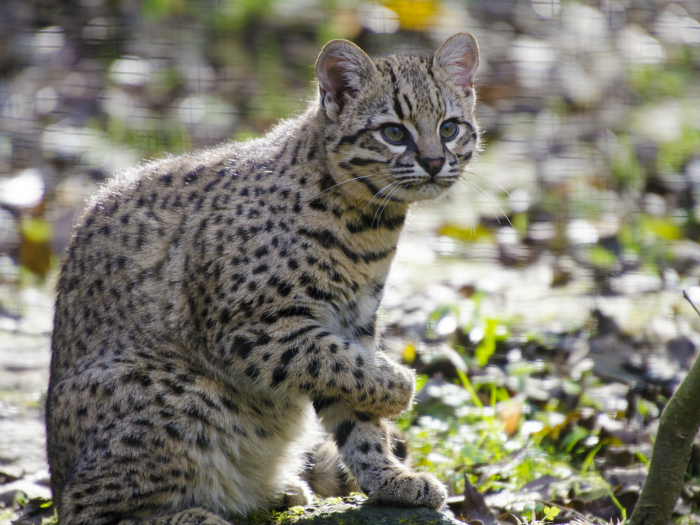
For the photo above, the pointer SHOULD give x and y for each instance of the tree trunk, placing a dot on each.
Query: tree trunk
(669, 460)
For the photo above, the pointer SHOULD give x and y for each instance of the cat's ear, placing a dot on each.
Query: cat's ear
(458, 56)
(342, 69)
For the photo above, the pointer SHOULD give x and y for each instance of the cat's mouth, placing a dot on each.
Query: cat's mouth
(428, 188)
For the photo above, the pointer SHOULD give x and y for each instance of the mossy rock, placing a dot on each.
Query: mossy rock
(353, 510)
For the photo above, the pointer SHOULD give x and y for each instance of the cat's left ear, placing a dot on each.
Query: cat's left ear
(458, 56)
(342, 69)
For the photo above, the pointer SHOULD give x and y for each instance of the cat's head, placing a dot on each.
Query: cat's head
(400, 128)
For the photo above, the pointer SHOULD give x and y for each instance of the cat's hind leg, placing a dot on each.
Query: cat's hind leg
(96, 514)
(113, 489)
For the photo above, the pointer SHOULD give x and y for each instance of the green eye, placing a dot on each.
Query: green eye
(394, 134)
(448, 130)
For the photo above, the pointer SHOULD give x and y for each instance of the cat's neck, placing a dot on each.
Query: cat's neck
(366, 226)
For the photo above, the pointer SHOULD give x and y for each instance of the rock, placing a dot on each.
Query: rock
(23, 488)
(10, 473)
(674, 26)
(685, 255)
(639, 47)
(24, 190)
(534, 61)
(130, 71)
(682, 350)
(356, 510)
(36, 511)
(634, 476)
(580, 231)
(636, 283)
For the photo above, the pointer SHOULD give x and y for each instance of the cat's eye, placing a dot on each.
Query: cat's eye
(448, 130)
(394, 134)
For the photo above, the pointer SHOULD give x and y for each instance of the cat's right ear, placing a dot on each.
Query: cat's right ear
(342, 69)
(458, 57)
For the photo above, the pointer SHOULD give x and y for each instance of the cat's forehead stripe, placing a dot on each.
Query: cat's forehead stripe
(416, 72)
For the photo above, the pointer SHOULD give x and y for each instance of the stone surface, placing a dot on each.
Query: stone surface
(355, 510)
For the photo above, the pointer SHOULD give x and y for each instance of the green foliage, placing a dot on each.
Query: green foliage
(625, 167)
(475, 443)
(267, 517)
(601, 257)
(274, 101)
(648, 239)
(673, 155)
(155, 9)
(658, 228)
(550, 513)
(652, 82)
(468, 387)
(235, 15)
(487, 345)
(167, 138)
(496, 436)
(520, 221)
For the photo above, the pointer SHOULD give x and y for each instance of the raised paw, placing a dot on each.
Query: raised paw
(405, 488)
(398, 383)
(374, 385)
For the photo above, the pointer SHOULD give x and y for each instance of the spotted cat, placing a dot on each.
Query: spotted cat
(213, 307)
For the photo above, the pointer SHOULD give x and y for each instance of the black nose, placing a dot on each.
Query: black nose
(432, 166)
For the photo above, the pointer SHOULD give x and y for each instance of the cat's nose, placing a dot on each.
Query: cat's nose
(432, 166)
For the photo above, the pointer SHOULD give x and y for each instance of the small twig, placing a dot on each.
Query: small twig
(687, 298)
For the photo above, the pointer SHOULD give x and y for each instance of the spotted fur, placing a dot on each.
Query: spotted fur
(213, 307)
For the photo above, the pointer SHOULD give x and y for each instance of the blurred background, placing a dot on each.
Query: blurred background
(590, 113)
(554, 271)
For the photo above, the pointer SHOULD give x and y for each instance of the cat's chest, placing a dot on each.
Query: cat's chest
(353, 316)
(346, 292)
(351, 304)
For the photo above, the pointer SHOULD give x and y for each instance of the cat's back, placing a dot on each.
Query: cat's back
(127, 261)
(127, 240)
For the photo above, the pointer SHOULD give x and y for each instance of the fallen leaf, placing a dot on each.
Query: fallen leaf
(474, 507)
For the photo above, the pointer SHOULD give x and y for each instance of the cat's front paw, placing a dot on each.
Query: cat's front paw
(398, 383)
(405, 488)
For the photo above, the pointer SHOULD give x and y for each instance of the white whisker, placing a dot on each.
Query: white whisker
(354, 179)
(498, 185)
(378, 194)
(481, 193)
(385, 202)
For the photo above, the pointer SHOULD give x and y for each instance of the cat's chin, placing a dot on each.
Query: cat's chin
(423, 192)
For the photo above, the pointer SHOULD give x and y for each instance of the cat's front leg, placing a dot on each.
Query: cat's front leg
(369, 381)
(365, 446)
(329, 368)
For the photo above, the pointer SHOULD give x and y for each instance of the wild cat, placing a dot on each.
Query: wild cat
(213, 307)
